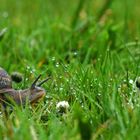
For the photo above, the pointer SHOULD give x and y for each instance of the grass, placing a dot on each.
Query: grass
(91, 51)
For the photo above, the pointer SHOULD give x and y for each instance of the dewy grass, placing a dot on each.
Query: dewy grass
(91, 51)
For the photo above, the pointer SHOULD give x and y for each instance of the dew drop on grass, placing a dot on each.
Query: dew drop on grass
(66, 66)
(109, 85)
(80, 101)
(75, 53)
(91, 85)
(91, 122)
(74, 93)
(31, 71)
(98, 59)
(84, 86)
(138, 105)
(131, 93)
(100, 85)
(28, 67)
(111, 79)
(82, 105)
(60, 77)
(61, 88)
(53, 58)
(124, 80)
(119, 89)
(57, 64)
(91, 72)
(95, 79)
(108, 50)
(76, 99)
(71, 88)
(135, 100)
(131, 81)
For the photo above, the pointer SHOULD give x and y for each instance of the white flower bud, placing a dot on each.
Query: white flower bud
(62, 106)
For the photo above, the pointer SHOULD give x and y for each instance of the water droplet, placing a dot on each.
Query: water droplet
(100, 85)
(131, 81)
(109, 85)
(60, 77)
(91, 122)
(111, 79)
(91, 72)
(80, 101)
(124, 80)
(82, 106)
(74, 93)
(57, 64)
(95, 79)
(31, 71)
(53, 58)
(28, 67)
(75, 53)
(76, 99)
(61, 88)
(71, 88)
(91, 85)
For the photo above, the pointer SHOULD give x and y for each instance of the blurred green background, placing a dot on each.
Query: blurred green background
(67, 30)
